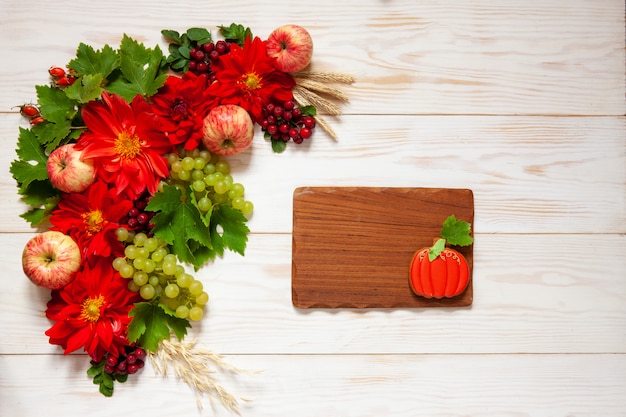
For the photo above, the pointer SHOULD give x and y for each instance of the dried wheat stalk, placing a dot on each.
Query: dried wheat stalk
(311, 85)
(195, 366)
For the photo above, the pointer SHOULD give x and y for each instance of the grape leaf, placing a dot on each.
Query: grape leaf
(235, 33)
(54, 105)
(31, 165)
(86, 88)
(91, 62)
(151, 324)
(178, 221)
(456, 232)
(142, 70)
(234, 235)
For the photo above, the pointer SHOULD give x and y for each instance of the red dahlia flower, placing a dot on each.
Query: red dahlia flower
(92, 312)
(182, 104)
(125, 143)
(91, 219)
(247, 77)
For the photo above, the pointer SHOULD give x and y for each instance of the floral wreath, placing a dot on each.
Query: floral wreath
(122, 169)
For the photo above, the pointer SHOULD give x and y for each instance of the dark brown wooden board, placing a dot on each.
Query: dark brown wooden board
(352, 246)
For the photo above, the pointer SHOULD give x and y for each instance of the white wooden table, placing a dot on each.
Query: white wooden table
(520, 101)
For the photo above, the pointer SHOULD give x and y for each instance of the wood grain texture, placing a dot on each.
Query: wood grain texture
(425, 57)
(352, 246)
(528, 174)
(339, 385)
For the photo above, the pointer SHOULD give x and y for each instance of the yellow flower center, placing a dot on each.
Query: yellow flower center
(127, 145)
(91, 309)
(251, 80)
(93, 221)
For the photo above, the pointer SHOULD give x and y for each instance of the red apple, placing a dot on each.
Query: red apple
(68, 172)
(51, 259)
(228, 130)
(292, 46)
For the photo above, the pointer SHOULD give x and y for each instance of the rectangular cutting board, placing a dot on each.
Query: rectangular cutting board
(352, 246)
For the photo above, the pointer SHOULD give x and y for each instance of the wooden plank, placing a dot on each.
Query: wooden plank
(528, 174)
(393, 386)
(352, 246)
(532, 294)
(408, 57)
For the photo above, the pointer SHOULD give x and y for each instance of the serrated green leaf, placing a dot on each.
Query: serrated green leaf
(55, 106)
(234, 234)
(142, 70)
(151, 324)
(456, 232)
(31, 165)
(86, 88)
(91, 62)
(177, 325)
(52, 134)
(235, 33)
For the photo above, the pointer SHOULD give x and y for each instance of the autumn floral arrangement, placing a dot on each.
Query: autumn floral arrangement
(125, 169)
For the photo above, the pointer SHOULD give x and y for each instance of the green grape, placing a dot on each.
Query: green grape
(131, 251)
(170, 257)
(118, 263)
(205, 154)
(237, 189)
(151, 244)
(209, 169)
(149, 266)
(158, 290)
(247, 207)
(195, 313)
(153, 280)
(194, 153)
(143, 253)
(202, 298)
(140, 239)
(210, 179)
(223, 167)
(132, 286)
(121, 234)
(184, 175)
(179, 271)
(228, 179)
(147, 292)
(182, 312)
(198, 185)
(176, 167)
(127, 271)
(220, 198)
(172, 291)
(197, 174)
(188, 163)
(184, 280)
(171, 158)
(131, 236)
(196, 287)
(139, 263)
(158, 255)
(169, 268)
(221, 187)
(199, 163)
(204, 204)
(140, 278)
(162, 280)
(238, 202)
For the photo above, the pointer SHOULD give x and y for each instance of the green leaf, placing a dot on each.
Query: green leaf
(142, 70)
(200, 35)
(91, 62)
(100, 377)
(54, 105)
(31, 165)
(235, 33)
(278, 145)
(171, 35)
(86, 88)
(456, 232)
(179, 222)
(43, 197)
(151, 324)
(234, 235)
(309, 110)
(436, 249)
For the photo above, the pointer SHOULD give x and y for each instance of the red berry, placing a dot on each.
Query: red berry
(278, 111)
(192, 65)
(56, 72)
(140, 354)
(287, 115)
(133, 368)
(132, 222)
(269, 108)
(271, 119)
(221, 47)
(288, 105)
(293, 132)
(208, 47)
(305, 132)
(64, 81)
(121, 367)
(272, 129)
(131, 358)
(111, 360)
(264, 124)
(309, 122)
(37, 120)
(29, 110)
(143, 218)
(202, 67)
(109, 369)
(283, 128)
(139, 363)
(296, 113)
(198, 55)
(213, 55)
(133, 212)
